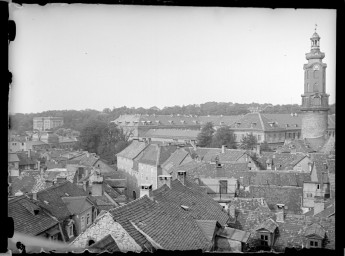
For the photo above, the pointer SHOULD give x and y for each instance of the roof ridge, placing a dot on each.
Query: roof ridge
(129, 203)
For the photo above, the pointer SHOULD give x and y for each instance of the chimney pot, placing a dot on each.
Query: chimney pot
(145, 189)
(181, 176)
(280, 214)
(164, 179)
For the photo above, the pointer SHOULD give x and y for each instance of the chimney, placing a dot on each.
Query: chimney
(310, 165)
(280, 213)
(97, 186)
(192, 142)
(164, 179)
(223, 149)
(269, 164)
(29, 153)
(145, 189)
(232, 211)
(84, 186)
(38, 165)
(258, 149)
(319, 205)
(181, 176)
(61, 179)
(34, 196)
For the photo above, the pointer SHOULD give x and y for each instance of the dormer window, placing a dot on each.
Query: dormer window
(171, 121)
(237, 124)
(287, 125)
(157, 121)
(195, 121)
(183, 121)
(271, 124)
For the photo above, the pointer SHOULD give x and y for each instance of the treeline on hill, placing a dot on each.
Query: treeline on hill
(76, 120)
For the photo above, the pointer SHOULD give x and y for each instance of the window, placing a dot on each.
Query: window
(88, 219)
(264, 240)
(314, 243)
(309, 195)
(82, 223)
(318, 186)
(70, 230)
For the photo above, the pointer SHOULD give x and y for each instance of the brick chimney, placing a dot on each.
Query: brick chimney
(164, 179)
(181, 176)
(280, 214)
(145, 189)
(34, 195)
(319, 204)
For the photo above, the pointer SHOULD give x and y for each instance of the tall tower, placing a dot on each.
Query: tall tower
(315, 100)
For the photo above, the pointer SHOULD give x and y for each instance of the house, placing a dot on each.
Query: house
(13, 162)
(28, 160)
(70, 205)
(91, 159)
(178, 158)
(319, 185)
(279, 230)
(284, 161)
(26, 182)
(183, 136)
(150, 163)
(106, 229)
(220, 189)
(29, 218)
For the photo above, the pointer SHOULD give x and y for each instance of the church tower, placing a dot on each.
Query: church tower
(315, 100)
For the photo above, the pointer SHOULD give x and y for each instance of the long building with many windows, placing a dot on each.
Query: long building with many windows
(47, 123)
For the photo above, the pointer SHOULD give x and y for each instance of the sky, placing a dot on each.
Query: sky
(101, 56)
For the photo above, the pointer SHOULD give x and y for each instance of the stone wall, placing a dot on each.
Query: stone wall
(314, 124)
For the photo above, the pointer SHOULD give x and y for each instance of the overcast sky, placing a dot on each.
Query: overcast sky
(101, 56)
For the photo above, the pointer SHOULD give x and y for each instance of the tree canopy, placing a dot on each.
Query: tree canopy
(223, 136)
(248, 142)
(205, 136)
(103, 138)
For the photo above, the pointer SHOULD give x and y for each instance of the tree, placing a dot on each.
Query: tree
(223, 136)
(248, 142)
(103, 138)
(204, 138)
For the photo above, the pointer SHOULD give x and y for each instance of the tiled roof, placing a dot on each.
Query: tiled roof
(171, 134)
(284, 119)
(209, 154)
(53, 196)
(116, 183)
(329, 146)
(234, 234)
(21, 209)
(316, 143)
(327, 212)
(200, 205)
(156, 155)
(299, 146)
(320, 165)
(269, 225)
(248, 204)
(253, 177)
(28, 181)
(208, 227)
(131, 211)
(175, 159)
(105, 225)
(25, 160)
(76, 204)
(34, 143)
(89, 160)
(315, 229)
(281, 161)
(13, 158)
(290, 196)
(133, 150)
(295, 228)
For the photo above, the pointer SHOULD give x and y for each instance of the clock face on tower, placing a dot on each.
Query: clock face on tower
(316, 67)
